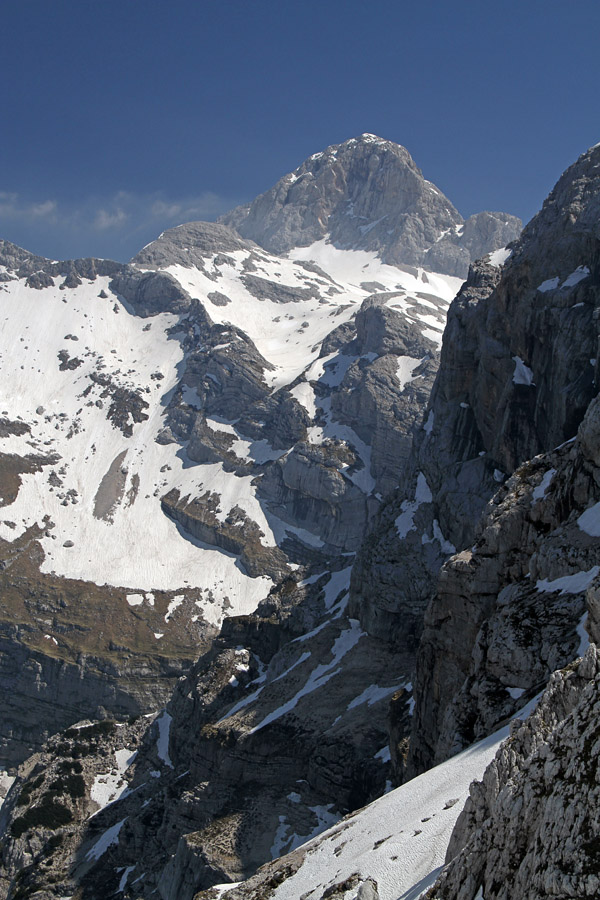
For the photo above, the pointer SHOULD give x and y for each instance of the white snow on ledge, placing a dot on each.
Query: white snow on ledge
(575, 277)
(405, 522)
(346, 641)
(522, 373)
(110, 836)
(549, 285)
(569, 584)
(499, 257)
(571, 280)
(162, 742)
(589, 521)
(406, 367)
(582, 634)
(540, 491)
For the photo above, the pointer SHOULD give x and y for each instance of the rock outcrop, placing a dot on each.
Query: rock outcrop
(518, 373)
(53, 819)
(508, 611)
(531, 827)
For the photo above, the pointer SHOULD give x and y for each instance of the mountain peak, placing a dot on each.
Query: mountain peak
(367, 193)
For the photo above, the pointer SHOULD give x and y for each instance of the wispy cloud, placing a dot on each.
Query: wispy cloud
(12, 207)
(116, 225)
(106, 219)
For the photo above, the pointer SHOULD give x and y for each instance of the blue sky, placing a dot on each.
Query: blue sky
(124, 117)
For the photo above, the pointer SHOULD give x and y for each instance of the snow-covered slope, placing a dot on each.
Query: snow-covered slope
(213, 429)
(89, 382)
(81, 371)
(397, 844)
(288, 332)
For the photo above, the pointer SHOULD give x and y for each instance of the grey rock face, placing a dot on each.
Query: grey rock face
(499, 625)
(368, 194)
(515, 379)
(517, 375)
(43, 694)
(49, 834)
(150, 292)
(308, 487)
(531, 827)
(23, 264)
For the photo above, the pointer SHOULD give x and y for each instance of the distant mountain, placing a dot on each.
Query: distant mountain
(193, 449)
(368, 194)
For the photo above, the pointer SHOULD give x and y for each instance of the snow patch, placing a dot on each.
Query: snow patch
(320, 675)
(582, 634)
(445, 546)
(305, 396)
(162, 742)
(575, 277)
(589, 521)
(406, 367)
(569, 584)
(549, 285)
(110, 836)
(515, 692)
(124, 878)
(174, 604)
(384, 754)
(540, 491)
(373, 694)
(405, 521)
(522, 373)
(498, 257)
(400, 840)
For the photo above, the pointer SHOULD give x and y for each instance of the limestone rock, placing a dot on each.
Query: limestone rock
(531, 827)
(516, 378)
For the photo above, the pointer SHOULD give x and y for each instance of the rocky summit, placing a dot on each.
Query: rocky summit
(299, 559)
(368, 194)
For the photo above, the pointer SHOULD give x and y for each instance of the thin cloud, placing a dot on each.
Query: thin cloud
(12, 207)
(116, 225)
(105, 219)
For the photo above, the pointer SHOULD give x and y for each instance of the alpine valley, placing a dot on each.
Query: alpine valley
(300, 550)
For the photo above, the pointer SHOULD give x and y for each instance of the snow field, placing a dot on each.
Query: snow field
(105, 487)
(100, 531)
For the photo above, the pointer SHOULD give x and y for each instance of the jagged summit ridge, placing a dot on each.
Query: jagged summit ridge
(368, 194)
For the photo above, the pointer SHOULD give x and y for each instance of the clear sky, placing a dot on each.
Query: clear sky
(123, 117)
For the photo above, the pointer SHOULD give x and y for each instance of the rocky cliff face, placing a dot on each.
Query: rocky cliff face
(509, 611)
(521, 385)
(518, 371)
(277, 731)
(530, 828)
(517, 379)
(53, 819)
(368, 194)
